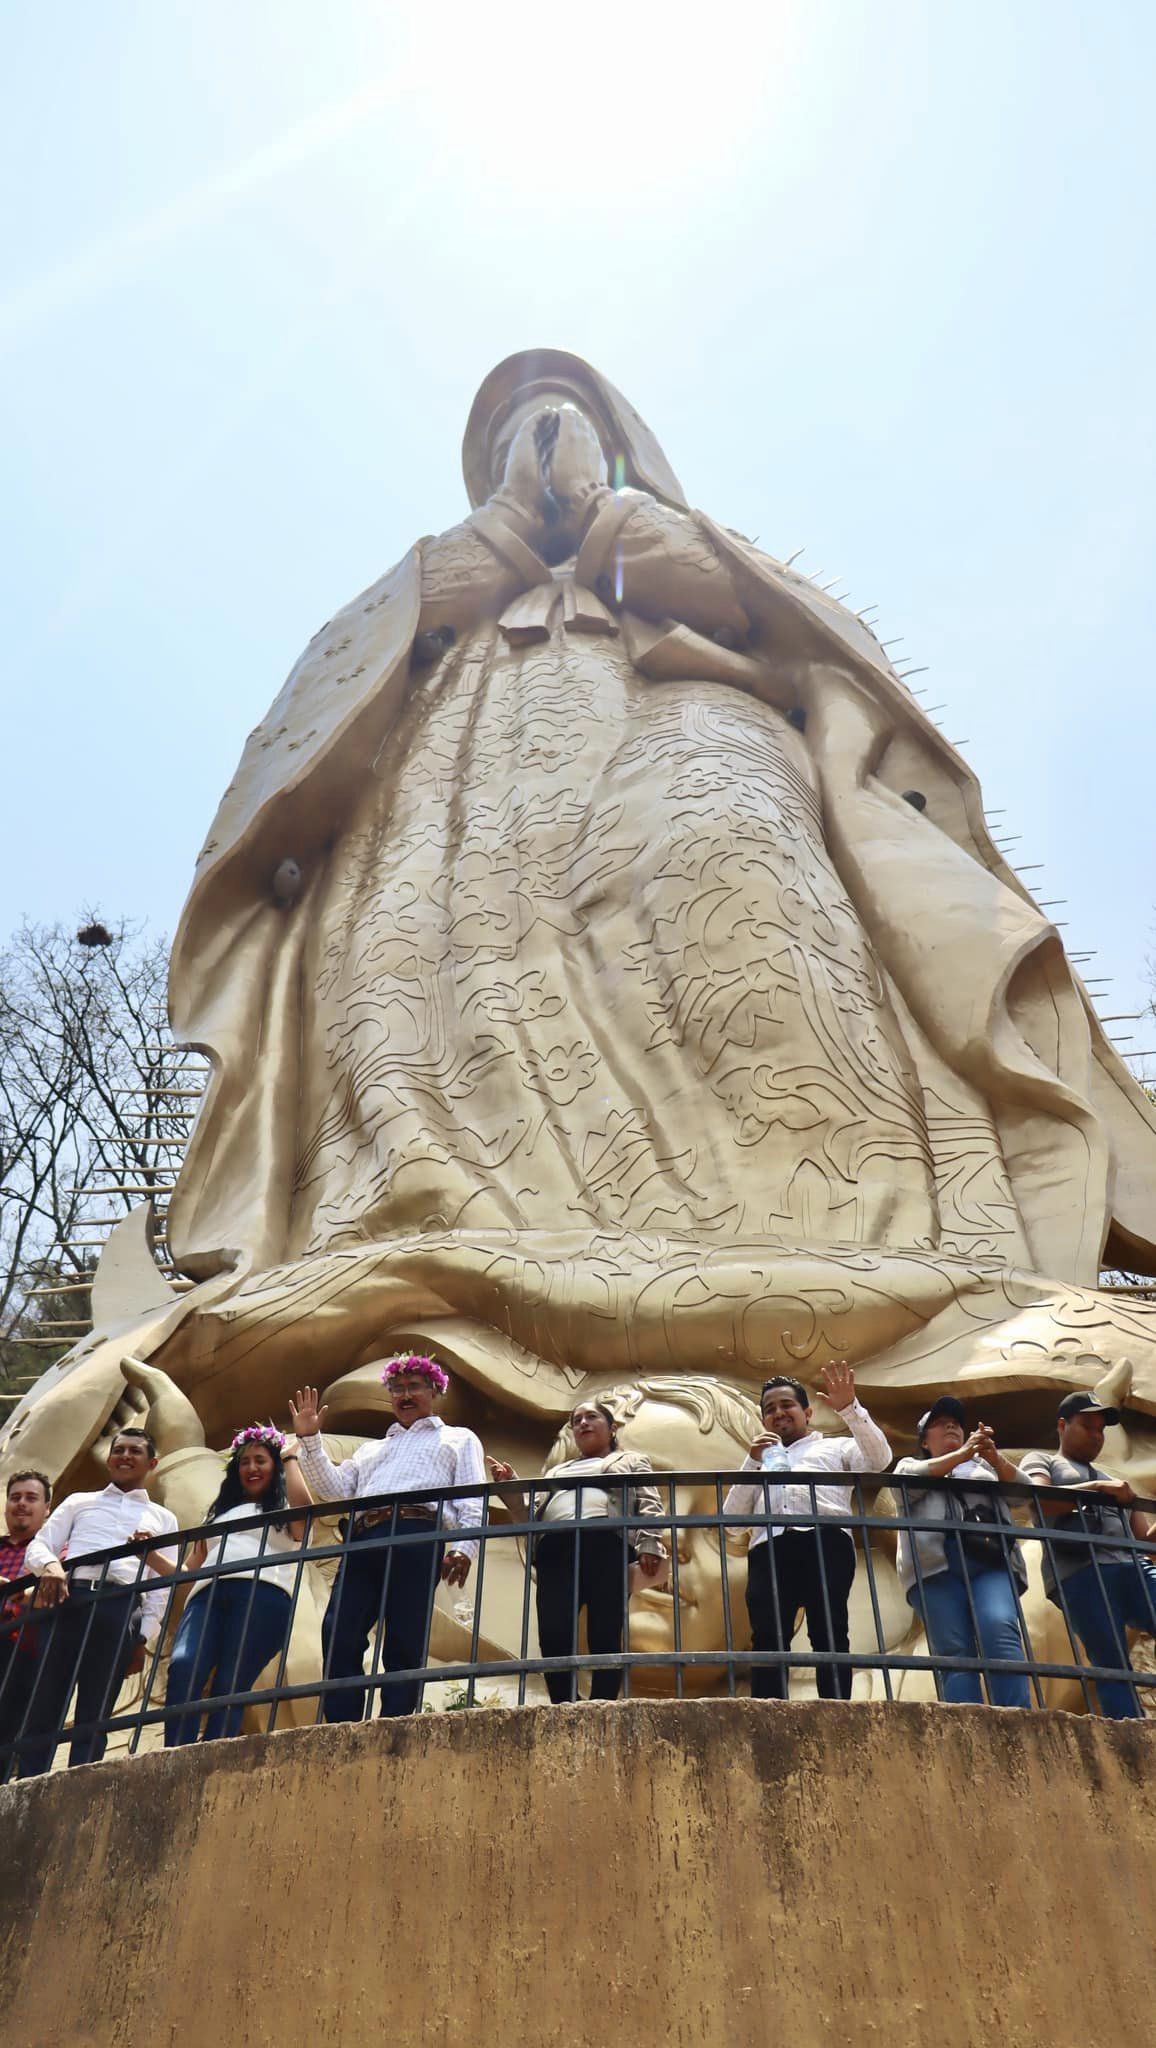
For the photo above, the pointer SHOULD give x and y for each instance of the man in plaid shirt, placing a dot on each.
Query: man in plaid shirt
(26, 1505)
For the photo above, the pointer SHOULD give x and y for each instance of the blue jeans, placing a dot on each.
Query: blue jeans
(951, 1633)
(1100, 1618)
(213, 1639)
(361, 1601)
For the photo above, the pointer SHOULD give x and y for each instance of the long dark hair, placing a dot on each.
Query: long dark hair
(273, 1501)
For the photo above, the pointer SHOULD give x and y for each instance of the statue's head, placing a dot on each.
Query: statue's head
(539, 381)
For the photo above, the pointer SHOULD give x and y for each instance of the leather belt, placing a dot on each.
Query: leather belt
(375, 1516)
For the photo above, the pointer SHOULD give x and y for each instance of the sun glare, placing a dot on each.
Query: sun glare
(652, 96)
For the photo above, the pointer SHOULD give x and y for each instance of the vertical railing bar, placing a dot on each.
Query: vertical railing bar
(437, 1539)
(785, 1638)
(527, 1583)
(910, 1525)
(1074, 1643)
(387, 1542)
(626, 1534)
(836, 1670)
(96, 1589)
(984, 1670)
(336, 1595)
(247, 1622)
(196, 1708)
(476, 1624)
(294, 1597)
(1120, 1634)
(153, 1659)
(872, 1588)
(724, 1579)
(579, 1502)
(107, 1710)
(672, 1506)
(1009, 1543)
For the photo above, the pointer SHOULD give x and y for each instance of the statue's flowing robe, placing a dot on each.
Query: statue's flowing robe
(625, 975)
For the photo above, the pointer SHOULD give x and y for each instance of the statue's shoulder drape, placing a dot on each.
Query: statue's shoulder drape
(233, 981)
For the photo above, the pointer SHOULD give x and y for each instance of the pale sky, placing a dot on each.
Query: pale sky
(877, 272)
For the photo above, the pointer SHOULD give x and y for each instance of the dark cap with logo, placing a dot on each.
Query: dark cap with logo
(1082, 1404)
(949, 1408)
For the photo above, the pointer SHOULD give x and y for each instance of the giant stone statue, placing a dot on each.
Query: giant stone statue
(607, 973)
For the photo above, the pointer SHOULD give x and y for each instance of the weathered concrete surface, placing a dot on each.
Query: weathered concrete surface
(707, 1874)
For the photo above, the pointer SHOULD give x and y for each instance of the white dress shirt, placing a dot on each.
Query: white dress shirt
(429, 1452)
(866, 1449)
(263, 1544)
(88, 1522)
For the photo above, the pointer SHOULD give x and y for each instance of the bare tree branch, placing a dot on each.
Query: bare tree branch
(83, 1033)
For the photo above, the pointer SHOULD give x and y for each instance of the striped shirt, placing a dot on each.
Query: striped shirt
(429, 1452)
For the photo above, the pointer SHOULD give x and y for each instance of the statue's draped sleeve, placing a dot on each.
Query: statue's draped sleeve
(234, 982)
(978, 964)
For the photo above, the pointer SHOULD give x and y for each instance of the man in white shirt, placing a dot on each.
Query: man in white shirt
(382, 1583)
(812, 1568)
(102, 1611)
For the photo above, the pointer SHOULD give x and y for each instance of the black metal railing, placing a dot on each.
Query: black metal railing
(703, 1545)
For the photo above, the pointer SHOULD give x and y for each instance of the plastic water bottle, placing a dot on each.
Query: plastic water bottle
(775, 1459)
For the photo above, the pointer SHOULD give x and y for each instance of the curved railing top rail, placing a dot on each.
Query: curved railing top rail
(1022, 1492)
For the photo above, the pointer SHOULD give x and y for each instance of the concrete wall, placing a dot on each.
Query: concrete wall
(704, 1875)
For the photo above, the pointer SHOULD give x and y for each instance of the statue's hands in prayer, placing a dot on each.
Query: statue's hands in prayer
(53, 1587)
(576, 467)
(838, 1383)
(524, 484)
(455, 1568)
(305, 1414)
(555, 471)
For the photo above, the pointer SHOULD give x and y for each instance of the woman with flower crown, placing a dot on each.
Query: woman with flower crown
(231, 1629)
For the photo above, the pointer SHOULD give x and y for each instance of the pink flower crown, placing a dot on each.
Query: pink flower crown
(415, 1362)
(259, 1433)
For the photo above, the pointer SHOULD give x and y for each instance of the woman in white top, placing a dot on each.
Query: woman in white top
(604, 1555)
(231, 1628)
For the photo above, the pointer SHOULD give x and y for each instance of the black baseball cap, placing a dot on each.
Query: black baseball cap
(1079, 1404)
(946, 1405)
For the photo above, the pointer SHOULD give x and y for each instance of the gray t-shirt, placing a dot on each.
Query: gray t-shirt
(1051, 1469)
